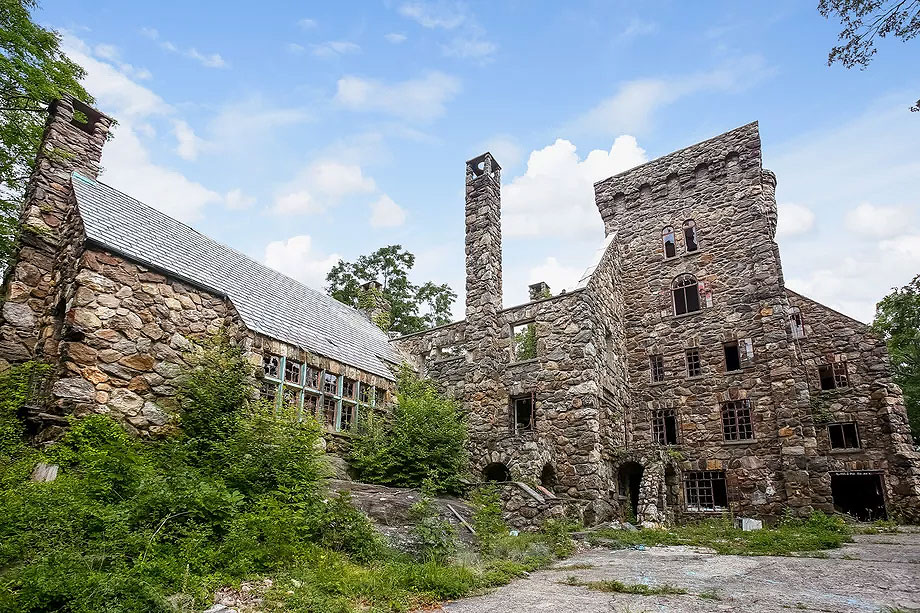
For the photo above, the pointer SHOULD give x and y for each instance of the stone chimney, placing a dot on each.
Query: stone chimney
(483, 238)
(374, 305)
(539, 290)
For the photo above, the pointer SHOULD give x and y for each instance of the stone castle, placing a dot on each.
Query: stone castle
(680, 377)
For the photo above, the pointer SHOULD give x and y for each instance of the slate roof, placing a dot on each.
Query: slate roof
(268, 302)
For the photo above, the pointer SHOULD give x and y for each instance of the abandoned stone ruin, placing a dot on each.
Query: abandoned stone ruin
(679, 378)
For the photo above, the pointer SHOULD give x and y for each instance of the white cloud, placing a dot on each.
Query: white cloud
(208, 60)
(794, 220)
(470, 47)
(556, 275)
(445, 15)
(877, 221)
(236, 200)
(241, 123)
(395, 38)
(335, 48)
(188, 144)
(321, 185)
(295, 258)
(504, 148)
(294, 48)
(634, 104)
(386, 214)
(638, 27)
(307, 24)
(421, 99)
(555, 196)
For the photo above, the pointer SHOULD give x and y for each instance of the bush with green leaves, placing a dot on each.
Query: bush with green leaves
(422, 437)
(435, 537)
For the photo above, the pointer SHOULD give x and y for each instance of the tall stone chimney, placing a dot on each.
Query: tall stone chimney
(483, 238)
(72, 141)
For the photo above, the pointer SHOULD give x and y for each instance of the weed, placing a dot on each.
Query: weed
(612, 585)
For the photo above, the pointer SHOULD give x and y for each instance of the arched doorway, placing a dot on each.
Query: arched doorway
(548, 477)
(630, 476)
(496, 471)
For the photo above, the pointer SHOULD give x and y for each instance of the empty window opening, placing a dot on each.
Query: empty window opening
(694, 362)
(738, 354)
(524, 341)
(311, 405)
(522, 413)
(664, 426)
(843, 435)
(736, 420)
(797, 323)
(496, 471)
(859, 494)
(656, 363)
(548, 477)
(686, 293)
(291, 397)
(668, 240)
(833, 375)
(292, 371)
(705, 490)
(690, 242)
(272, 366)
(630, 480)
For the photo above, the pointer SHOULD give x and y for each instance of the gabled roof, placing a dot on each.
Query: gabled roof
(269, 302)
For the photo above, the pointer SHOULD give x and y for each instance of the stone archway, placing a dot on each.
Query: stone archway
(629, 481)
(648, 485)
(496, 471)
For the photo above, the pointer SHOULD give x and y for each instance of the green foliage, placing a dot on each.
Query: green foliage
(422, 437)
(435, 537)
(412, 307)
(614, 586)
(559, 534)
(33, 72)
(487, 518)
(525, 342)
(15, 387)
(897, 320)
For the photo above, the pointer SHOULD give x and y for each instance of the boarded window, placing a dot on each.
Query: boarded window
(705, 490)
(292, 371)
(797, 323)
(669, 242)
(664, 426)
(524, 341)
(736, 421)
(694, 362)
(690, 241)
(522, 413)
(656, 363)
(686, 294)
(843, 435)
(833, 375)
(272, 366)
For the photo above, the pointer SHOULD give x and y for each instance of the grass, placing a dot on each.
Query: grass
(580, 566)
(618, 587)
(818, 532)
(710, 594)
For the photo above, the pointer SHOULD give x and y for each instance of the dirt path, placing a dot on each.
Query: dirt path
(876, 573)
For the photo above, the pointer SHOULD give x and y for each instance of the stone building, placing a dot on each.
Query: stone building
(679, 378)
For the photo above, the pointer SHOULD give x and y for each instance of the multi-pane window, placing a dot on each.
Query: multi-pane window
(738, 354)
(736, 420)
(522, 413)
(656, 363)
(694, 362)
(833, 375)
(348, 416)
(330, 409)
(797, 323)
(690, 242)
(668, 241)
(843, 435)
(686, 293)
(524, 341)
(664, 426)
(367, 394)
(330, 384)
(272, 366)
(292, 371)
(268, 391)
(348, 387)
(705, 490)
(311, 377)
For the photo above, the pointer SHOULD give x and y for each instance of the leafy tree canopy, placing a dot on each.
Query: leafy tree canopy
(33, 72)
(897, 319)
(411, 307)
(865, 20)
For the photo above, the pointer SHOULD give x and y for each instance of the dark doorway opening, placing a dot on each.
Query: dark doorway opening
(630, 478)
(496, 471)
(859, 494)
(548, 477)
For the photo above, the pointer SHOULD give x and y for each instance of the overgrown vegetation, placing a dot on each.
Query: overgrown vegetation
(816, 533)
(422, 437)
(614, 586)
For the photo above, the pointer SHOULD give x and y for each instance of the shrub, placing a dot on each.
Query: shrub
(487, 518)
(337, 525)
(435, 537)
(423, 436)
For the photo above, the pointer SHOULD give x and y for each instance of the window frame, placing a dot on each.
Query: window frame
(516, 427)
(744, 349)
(698, 359)
(837, 372)
(842, 425)
(657, 373)
(797, 323)
(737, 417)
(668, 231)
(682, 284)
(528, 324)
(660, 426)
(688, 227)
(702, 483)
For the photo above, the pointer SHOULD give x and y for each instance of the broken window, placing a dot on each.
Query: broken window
(330, 384)
(706, 490)
(668, 240)
(272, 366)
(348, 416)
(522, 413)
(656, 363)
(348, 387)
(843, 435)
(736, 420)
(268, 391)
(367, 394)
(292, 371)
(664, 426)
(330, 408)
(290, 397)
(694, 362)
(833, 375)
(690, 242)
(311, 377)
(686, 294)
(311, 405)
(524, 341)
(797, 323)
(738, 354)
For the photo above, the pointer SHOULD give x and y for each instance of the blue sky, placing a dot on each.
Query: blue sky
(302, 132)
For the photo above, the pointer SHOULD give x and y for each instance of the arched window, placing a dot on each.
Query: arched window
(690, 242)
(667, 237)
(797, 323)
(686, 292)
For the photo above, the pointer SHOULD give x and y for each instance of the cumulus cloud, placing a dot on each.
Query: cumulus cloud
(188, 145)
(794, 220)
(556, 275)
(386, 214)
(877, 221)
(321, 185)
(296, 258)
(237, 200)
(423, 98)
(555, 195)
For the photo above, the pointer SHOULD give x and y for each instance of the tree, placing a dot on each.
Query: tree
(897, 320)
(33, 72)
(411, 307)
(863, 21)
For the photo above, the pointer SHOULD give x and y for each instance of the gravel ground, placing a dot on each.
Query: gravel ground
(876, 573)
